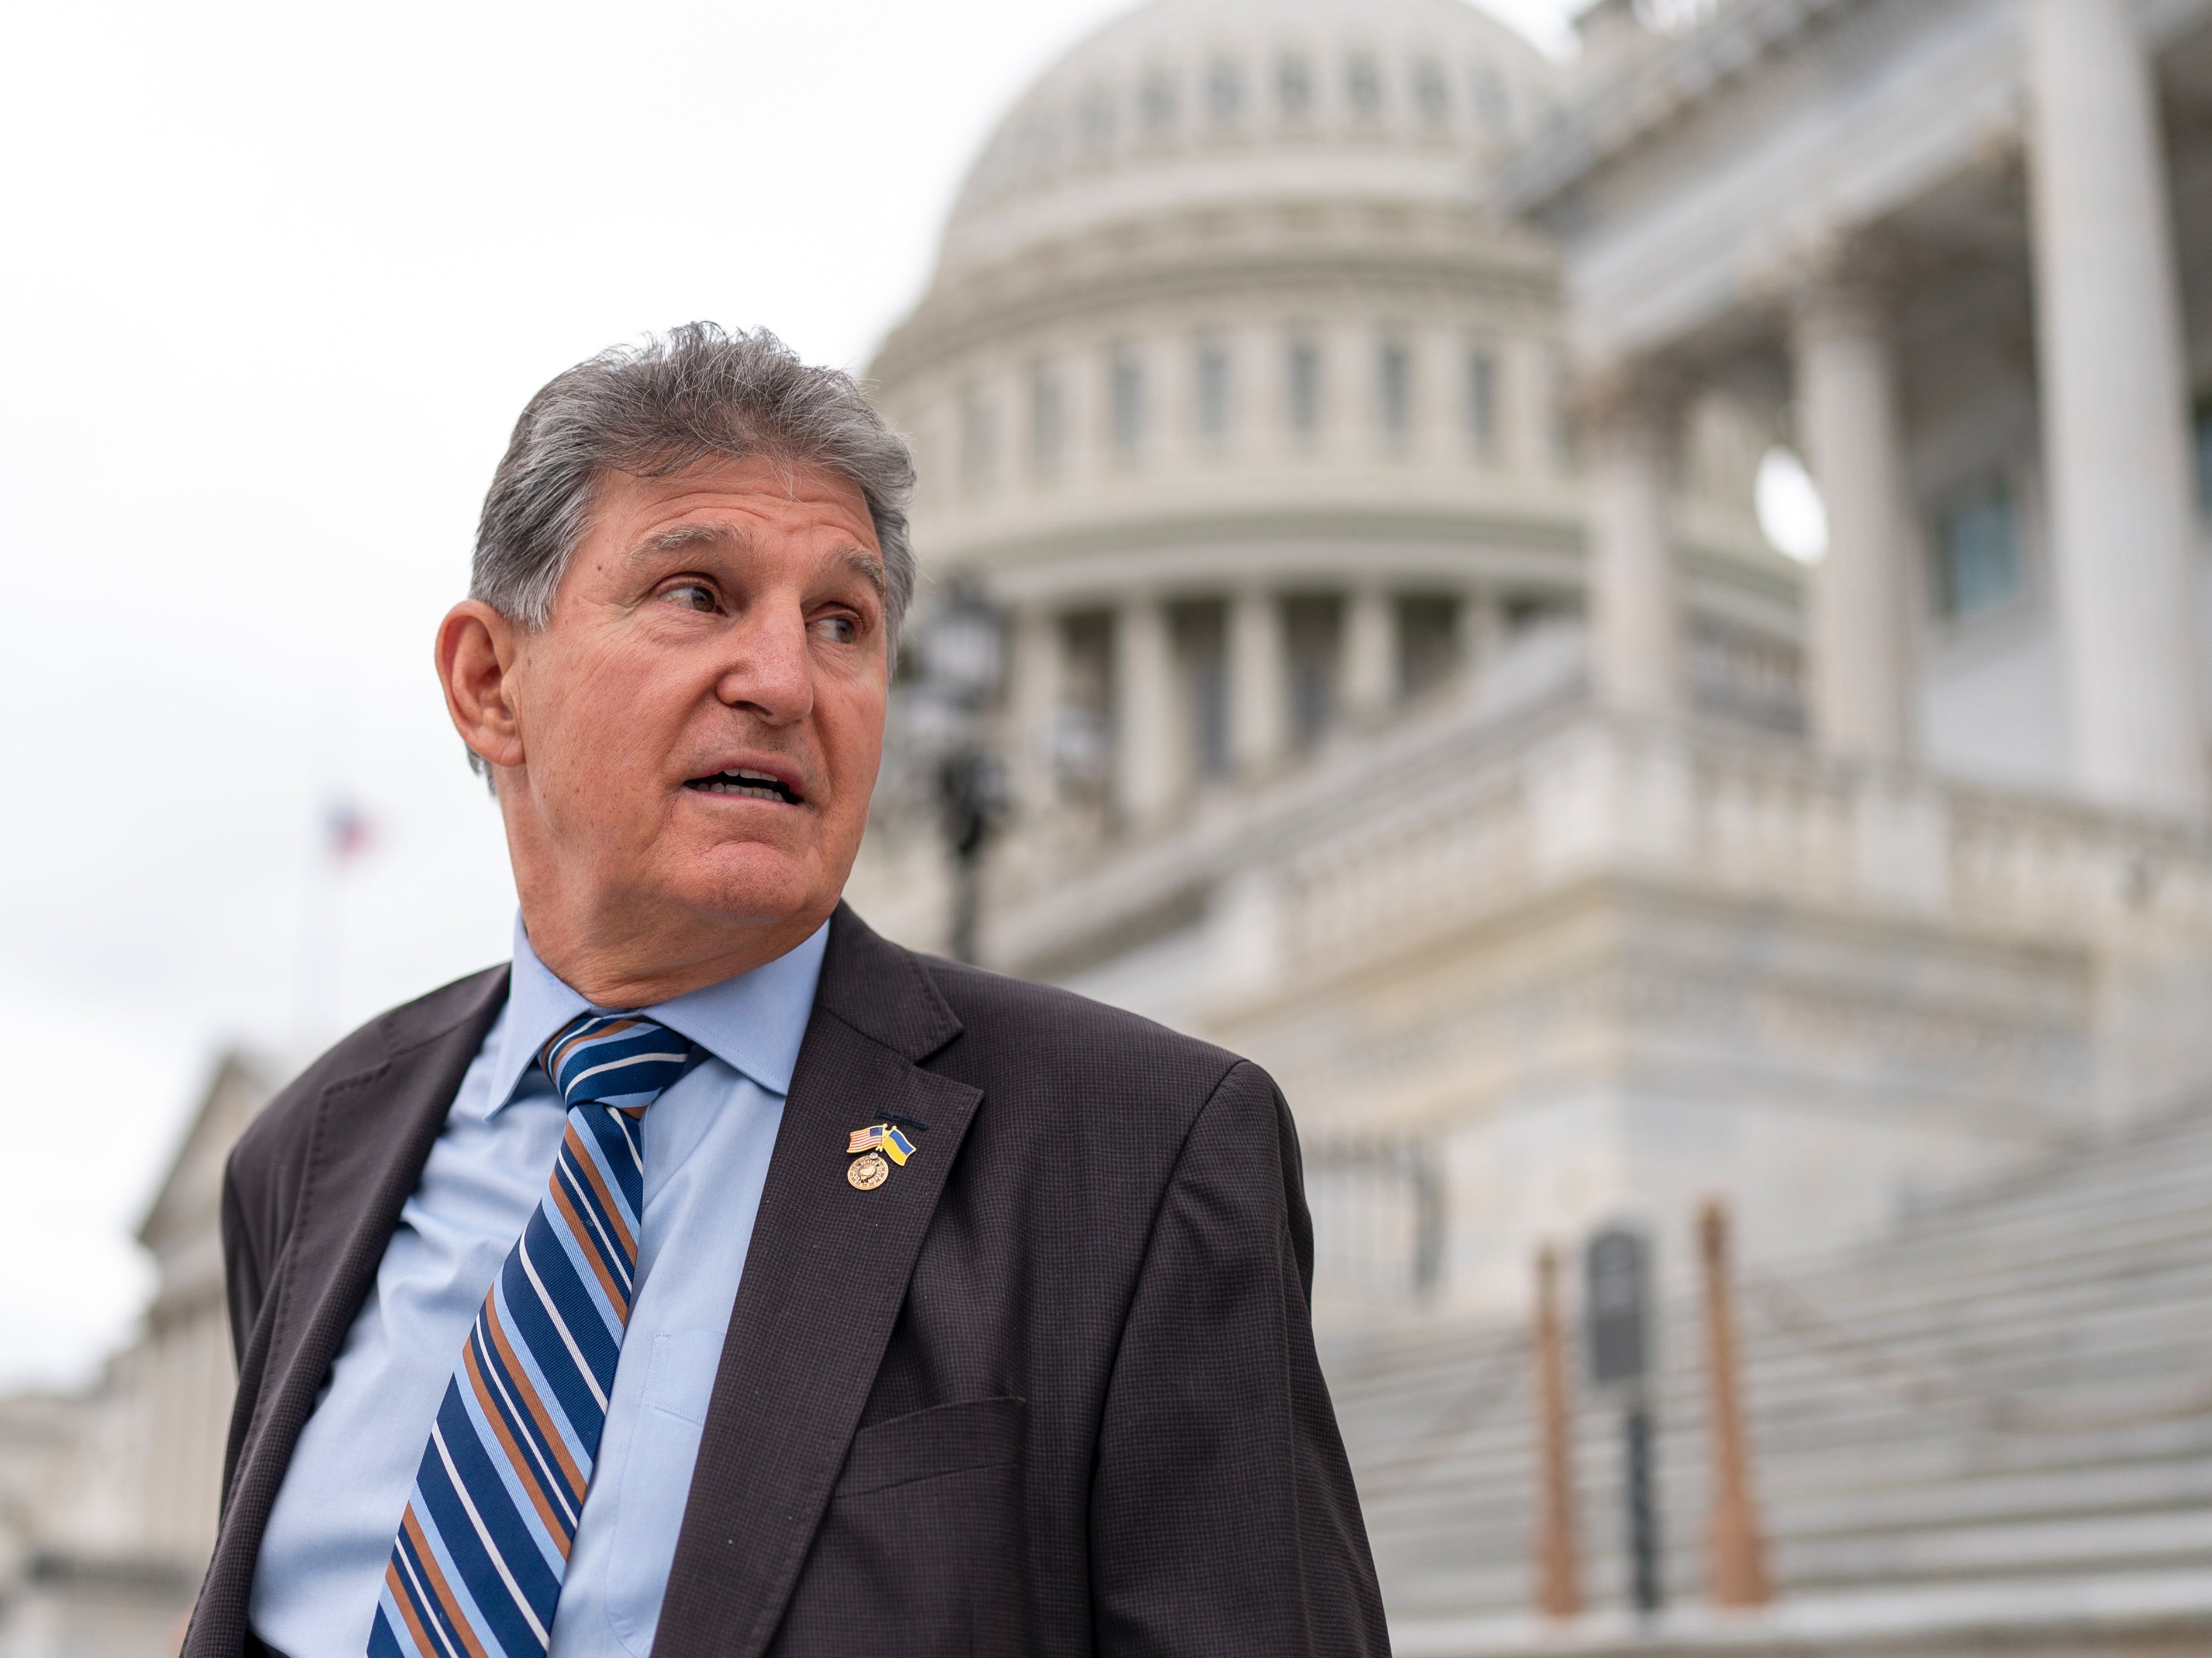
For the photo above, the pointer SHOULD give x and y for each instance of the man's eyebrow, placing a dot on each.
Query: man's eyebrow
(861, 561)
(868, 565)
(683, 537)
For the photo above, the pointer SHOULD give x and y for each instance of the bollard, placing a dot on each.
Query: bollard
(1735, 1550)
(1557, 1574)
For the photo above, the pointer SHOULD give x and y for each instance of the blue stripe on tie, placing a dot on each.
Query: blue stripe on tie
(553, 1315)
(607, 1136)
(544, 1470)
(601, 1233)
(478, 1563)
(580, 1451)
(383, 1643)
(496, 1521)
(552, 1548)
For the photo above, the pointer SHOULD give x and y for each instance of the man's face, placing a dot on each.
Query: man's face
(696, 731)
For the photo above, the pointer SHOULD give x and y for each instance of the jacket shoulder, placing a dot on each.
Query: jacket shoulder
(277, 1137)
(1059, 1050)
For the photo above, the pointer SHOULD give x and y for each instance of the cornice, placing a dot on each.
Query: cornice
(950, 319)
(1652, 93)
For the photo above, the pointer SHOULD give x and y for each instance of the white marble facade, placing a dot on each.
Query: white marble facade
(1356, 414)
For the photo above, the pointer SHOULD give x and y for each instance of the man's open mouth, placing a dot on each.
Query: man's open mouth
(758, 785)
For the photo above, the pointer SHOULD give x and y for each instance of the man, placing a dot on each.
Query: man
(718, 1278)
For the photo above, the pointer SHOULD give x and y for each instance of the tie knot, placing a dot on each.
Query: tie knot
(617, 1060)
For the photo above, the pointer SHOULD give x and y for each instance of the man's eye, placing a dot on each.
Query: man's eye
(842, 629)
(693, 595)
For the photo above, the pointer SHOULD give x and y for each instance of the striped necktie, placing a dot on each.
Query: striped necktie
(476, 1570)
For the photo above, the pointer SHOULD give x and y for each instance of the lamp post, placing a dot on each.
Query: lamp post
(1617, 1302)
(962, 663)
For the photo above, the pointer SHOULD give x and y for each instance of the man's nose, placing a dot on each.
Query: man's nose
(770, 673)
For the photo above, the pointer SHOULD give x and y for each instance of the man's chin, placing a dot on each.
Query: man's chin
(755, 883)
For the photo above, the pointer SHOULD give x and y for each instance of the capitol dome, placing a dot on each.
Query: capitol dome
(1232, 392)
(1188, 105)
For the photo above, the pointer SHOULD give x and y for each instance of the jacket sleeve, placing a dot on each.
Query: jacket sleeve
(1224, 1520)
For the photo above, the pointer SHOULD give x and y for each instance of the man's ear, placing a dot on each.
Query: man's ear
(477, 652)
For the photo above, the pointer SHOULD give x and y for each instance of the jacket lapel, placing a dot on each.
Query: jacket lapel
(371, 1133)
(824, 1278)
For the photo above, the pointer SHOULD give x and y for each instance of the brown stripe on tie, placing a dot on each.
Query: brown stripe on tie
(436, 1579)
(587, 1235)
(573, 1142)
(526, 1464)
(534, 1405)
(403, 1596)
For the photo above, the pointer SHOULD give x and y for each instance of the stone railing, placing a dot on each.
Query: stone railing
(1741, 815)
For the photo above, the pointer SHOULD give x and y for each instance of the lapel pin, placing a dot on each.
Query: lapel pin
(868, 1147)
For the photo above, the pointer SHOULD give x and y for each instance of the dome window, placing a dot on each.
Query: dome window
(1430, 93)
(1294, 88)
(1212, 391)
(1126, 380)
(1095, 121)
(1482, 399)
(1394, 388)
(979, 442)
(1491, 106)
(1048, 421)
(1363, 86)
(1224, 91)
(1158, 104)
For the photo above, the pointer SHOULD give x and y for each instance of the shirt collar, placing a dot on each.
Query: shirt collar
(753, 1023)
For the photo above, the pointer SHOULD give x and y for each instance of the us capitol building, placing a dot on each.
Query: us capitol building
(1348, 421)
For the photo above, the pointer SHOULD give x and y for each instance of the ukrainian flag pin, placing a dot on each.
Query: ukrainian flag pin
(868, 1147)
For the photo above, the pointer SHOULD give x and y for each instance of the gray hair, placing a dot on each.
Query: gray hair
(695, 394)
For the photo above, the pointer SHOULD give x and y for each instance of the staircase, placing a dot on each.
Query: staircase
(1991, 1431)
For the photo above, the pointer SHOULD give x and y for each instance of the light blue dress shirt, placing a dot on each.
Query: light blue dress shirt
(707, 1145)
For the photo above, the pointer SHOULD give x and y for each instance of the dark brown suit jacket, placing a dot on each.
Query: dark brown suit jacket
(1051, 1388)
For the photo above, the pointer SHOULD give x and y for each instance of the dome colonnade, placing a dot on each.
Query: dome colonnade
(1231, 394)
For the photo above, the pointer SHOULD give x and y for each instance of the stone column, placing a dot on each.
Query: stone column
(1259, 682)
(1036, 691)
(1144, 732)
(1370, 652)
(1635, 603)
(2115, 430)
(1857, 661)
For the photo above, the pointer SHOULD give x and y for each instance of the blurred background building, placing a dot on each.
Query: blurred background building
(1354, 640)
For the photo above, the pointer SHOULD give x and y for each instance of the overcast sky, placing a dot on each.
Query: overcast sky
(279, 278)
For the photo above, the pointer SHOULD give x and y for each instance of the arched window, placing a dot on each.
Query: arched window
(1363, 86)
(1294, 88)
(1491, 106)
(1157, 102)
(1224, 91)
(1095, 121)
(1430, 96)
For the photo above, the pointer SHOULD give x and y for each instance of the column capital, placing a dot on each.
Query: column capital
(1847, 276)
(1629, 398)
